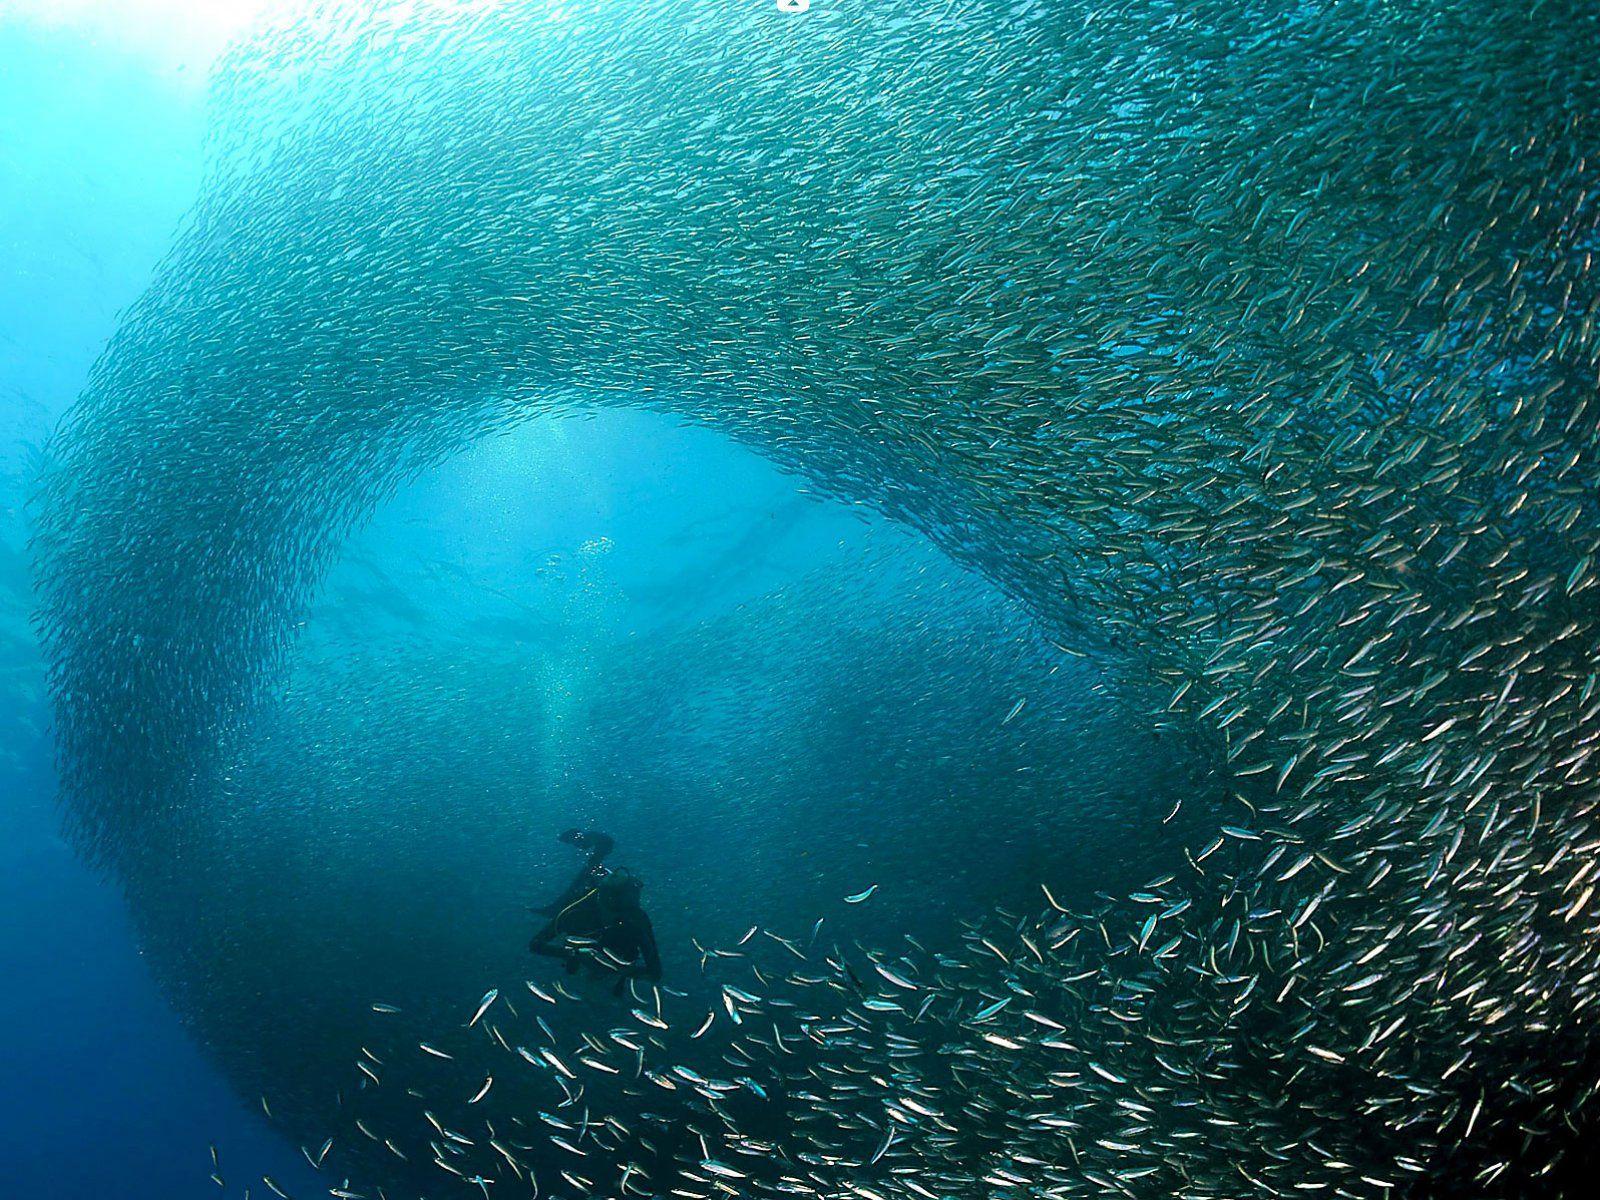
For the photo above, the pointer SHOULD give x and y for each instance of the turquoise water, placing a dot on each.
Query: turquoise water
(1059, 540)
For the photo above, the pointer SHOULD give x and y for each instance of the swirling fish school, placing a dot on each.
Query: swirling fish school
(1255, 343)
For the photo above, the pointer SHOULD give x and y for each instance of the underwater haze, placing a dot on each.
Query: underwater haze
(1039, 557)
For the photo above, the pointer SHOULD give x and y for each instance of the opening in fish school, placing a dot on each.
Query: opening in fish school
(799, 599)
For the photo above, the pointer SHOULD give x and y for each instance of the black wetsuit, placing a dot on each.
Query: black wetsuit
(609, 916)
(628, 937)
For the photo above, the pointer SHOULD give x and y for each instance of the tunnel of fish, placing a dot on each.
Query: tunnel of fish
(1247, 352)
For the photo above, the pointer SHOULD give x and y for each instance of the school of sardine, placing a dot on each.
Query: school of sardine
(398, 807)
(1251, 346)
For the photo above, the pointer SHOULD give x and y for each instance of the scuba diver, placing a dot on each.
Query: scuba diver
(598, 917)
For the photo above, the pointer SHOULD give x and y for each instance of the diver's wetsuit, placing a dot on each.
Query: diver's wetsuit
(602, 909)
(627, 937)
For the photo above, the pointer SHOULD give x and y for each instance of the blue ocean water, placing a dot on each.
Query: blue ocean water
(104, 1090)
